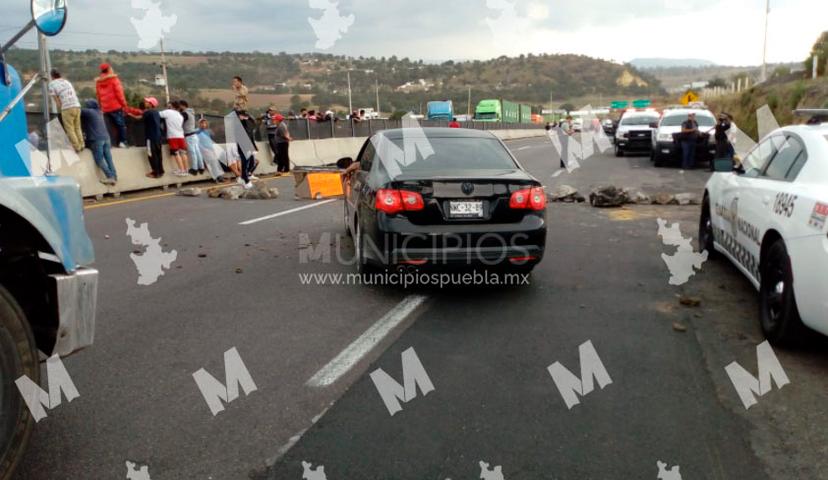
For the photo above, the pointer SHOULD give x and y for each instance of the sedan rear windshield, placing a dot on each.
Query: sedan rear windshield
(450, 153)
(677, 120)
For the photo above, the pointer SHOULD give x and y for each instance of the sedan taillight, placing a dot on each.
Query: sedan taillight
(528, 199)
(395, 201)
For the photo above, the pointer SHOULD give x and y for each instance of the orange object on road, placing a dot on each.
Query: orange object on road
(317, 185)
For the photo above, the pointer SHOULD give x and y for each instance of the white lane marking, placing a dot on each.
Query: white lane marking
(525, 147)
(288, 212)
(360, 347)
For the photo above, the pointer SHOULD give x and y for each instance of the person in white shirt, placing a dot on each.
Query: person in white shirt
(70, 108)
(175, 137)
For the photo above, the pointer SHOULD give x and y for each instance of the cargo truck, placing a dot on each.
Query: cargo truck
(440, 110)
(48, 290)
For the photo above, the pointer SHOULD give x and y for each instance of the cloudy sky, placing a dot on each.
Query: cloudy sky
(724, 31)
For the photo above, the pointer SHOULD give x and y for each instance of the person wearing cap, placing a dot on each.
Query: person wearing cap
(152, 133)
(724, 149)
(111, 98)
(282, 144)
(67, 102)
(270, 126)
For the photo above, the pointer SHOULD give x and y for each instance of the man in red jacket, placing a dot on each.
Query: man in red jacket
(111, 98)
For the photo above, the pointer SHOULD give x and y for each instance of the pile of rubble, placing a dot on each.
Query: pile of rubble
(260, 191)
(612, 196)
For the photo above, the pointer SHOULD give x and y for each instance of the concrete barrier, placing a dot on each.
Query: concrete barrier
(132, 164)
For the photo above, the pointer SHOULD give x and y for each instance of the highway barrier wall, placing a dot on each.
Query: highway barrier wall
(132, 166)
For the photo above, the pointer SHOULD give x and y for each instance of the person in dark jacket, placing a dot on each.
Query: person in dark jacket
(97, 138)
(723, 147)
(249, 163)
(152, 133)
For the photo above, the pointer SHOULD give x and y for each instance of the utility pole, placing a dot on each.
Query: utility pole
(764, 76)
(350, 102)
(468, 113)
(376, 83)
(44, 85)
(164, 71)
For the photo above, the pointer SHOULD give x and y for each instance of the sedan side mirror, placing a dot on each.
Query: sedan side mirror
(344, 163)
(654, 125)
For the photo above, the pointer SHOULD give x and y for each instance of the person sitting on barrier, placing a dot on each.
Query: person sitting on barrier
(152, 134)
(209, 151)
(110, 94)
(175, 137)
(97, 136)
(454, 123)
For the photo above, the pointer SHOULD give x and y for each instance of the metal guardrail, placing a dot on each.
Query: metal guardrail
(300, 129)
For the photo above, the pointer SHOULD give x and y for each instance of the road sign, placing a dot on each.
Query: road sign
(619, 104)
(642, 103)
(689, 98)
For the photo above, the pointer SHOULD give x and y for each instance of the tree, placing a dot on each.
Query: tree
(717, 82)
(820, 49)
(568, 107)
(781, 71)
(296, 103)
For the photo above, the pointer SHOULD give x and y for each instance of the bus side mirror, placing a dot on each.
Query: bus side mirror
(49, 16)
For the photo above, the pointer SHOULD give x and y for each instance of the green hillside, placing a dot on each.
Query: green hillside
(534, 79)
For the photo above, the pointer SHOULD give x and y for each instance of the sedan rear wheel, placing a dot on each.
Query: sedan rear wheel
(778, 314)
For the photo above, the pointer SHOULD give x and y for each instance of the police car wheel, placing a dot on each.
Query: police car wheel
(18, 357)
(779, 316)
(706, 237)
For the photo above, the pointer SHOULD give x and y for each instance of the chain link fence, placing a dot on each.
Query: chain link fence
(300, 129)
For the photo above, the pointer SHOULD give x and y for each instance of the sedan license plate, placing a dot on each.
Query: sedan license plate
(466, 209)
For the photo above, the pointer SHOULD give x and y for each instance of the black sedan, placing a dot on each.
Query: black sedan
(439, 197)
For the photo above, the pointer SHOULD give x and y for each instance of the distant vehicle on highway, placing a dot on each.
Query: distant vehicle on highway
(468, 204)
(770, 219)
(609, 125)
(498, 110)
(578, 124)
(370, 114)
(634, 132)
(665, 146)
(440, 110)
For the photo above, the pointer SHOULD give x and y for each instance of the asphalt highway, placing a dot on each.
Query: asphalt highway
(240, 281)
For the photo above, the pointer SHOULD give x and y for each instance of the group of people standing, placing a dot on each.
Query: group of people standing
(190, 139)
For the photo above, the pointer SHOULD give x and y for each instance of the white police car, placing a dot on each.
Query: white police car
(769, 219)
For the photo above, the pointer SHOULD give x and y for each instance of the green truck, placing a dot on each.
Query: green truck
(498, 110)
